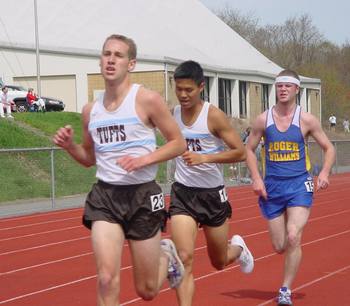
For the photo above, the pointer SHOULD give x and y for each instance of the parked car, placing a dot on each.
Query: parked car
(18, 95)
(52, 104)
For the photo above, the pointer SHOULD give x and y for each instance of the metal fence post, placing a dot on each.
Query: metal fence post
(52, 179)
(336, 157)
(168, 171)
(239, 173)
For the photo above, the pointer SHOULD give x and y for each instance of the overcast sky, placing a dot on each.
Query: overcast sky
(332, 18)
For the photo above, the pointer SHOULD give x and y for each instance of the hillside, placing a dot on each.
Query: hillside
(27, 175)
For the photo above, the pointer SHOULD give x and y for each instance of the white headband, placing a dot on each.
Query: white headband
(287, 79)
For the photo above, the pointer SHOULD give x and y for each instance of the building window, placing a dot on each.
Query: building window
(265, 97)
(225, 92)
(242, 99)
(205, 94)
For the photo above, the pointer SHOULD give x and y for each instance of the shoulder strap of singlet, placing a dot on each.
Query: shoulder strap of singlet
(296, 118)
(269, 118)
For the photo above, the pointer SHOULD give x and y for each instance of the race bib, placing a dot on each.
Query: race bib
(309, 185)
(223, 195)
(157, 202)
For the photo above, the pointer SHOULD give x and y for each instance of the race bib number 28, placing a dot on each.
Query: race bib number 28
(157, 202)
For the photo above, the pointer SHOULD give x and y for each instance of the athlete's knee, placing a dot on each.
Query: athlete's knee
(293, 239)
(186, 258)
(279, 246)
(107, 282)
(147, 290)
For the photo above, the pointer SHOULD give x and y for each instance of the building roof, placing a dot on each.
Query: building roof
(181, 30)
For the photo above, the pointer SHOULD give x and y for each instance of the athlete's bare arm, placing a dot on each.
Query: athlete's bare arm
(219, 126)
(153, 111)
(82, 153)
(311, 126)
(257, 131)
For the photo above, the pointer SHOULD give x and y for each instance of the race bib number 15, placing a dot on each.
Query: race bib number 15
(309, 186)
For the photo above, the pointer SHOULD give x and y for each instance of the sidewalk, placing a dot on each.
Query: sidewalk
(27, 207)
(33, 206)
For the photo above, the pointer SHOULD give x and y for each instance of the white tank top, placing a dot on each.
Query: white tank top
(120, 133)
(201, 141)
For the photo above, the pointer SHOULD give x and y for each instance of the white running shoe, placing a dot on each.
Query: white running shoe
(246, 259)
(284, 296)
(176, 269)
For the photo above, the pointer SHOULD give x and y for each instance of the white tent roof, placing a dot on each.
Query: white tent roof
(181, 29)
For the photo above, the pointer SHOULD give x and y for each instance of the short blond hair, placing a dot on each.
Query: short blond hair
(132, 52)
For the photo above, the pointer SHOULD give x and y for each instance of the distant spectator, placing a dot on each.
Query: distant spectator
(346, 125)
(31, 97)
(41, 107)
(34, 102)
(5, 102)
(332, 122)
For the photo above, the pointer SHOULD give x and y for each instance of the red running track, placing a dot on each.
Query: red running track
(46, 259)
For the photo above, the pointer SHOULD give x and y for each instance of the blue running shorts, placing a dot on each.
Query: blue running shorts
(286, 192)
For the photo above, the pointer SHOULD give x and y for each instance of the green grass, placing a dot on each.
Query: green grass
(12, 136)
(27, 175)
(49, 122)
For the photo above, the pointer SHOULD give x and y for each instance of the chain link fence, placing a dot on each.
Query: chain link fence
(50, 175)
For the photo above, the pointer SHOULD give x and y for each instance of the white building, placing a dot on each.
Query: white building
(239, 79)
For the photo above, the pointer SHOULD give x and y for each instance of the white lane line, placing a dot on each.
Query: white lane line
(316, 280)
(53, 287)
(42, 233)
(236, 266)
(40, 215)
(231, 222)
(46, 263)
(39, 223)
(166, 289)
(44, 245)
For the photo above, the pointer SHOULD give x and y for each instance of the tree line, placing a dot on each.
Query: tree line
(298, 44)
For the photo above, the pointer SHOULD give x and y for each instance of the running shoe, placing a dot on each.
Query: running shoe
(284, 296)
(176, 268)
(246, 259)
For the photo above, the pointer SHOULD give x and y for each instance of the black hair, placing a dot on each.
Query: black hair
(190, 70)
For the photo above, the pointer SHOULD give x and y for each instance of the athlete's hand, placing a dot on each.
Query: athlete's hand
(322, 181)
(64, 137)
(259, 188)
(191, 159)
(129, 163)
